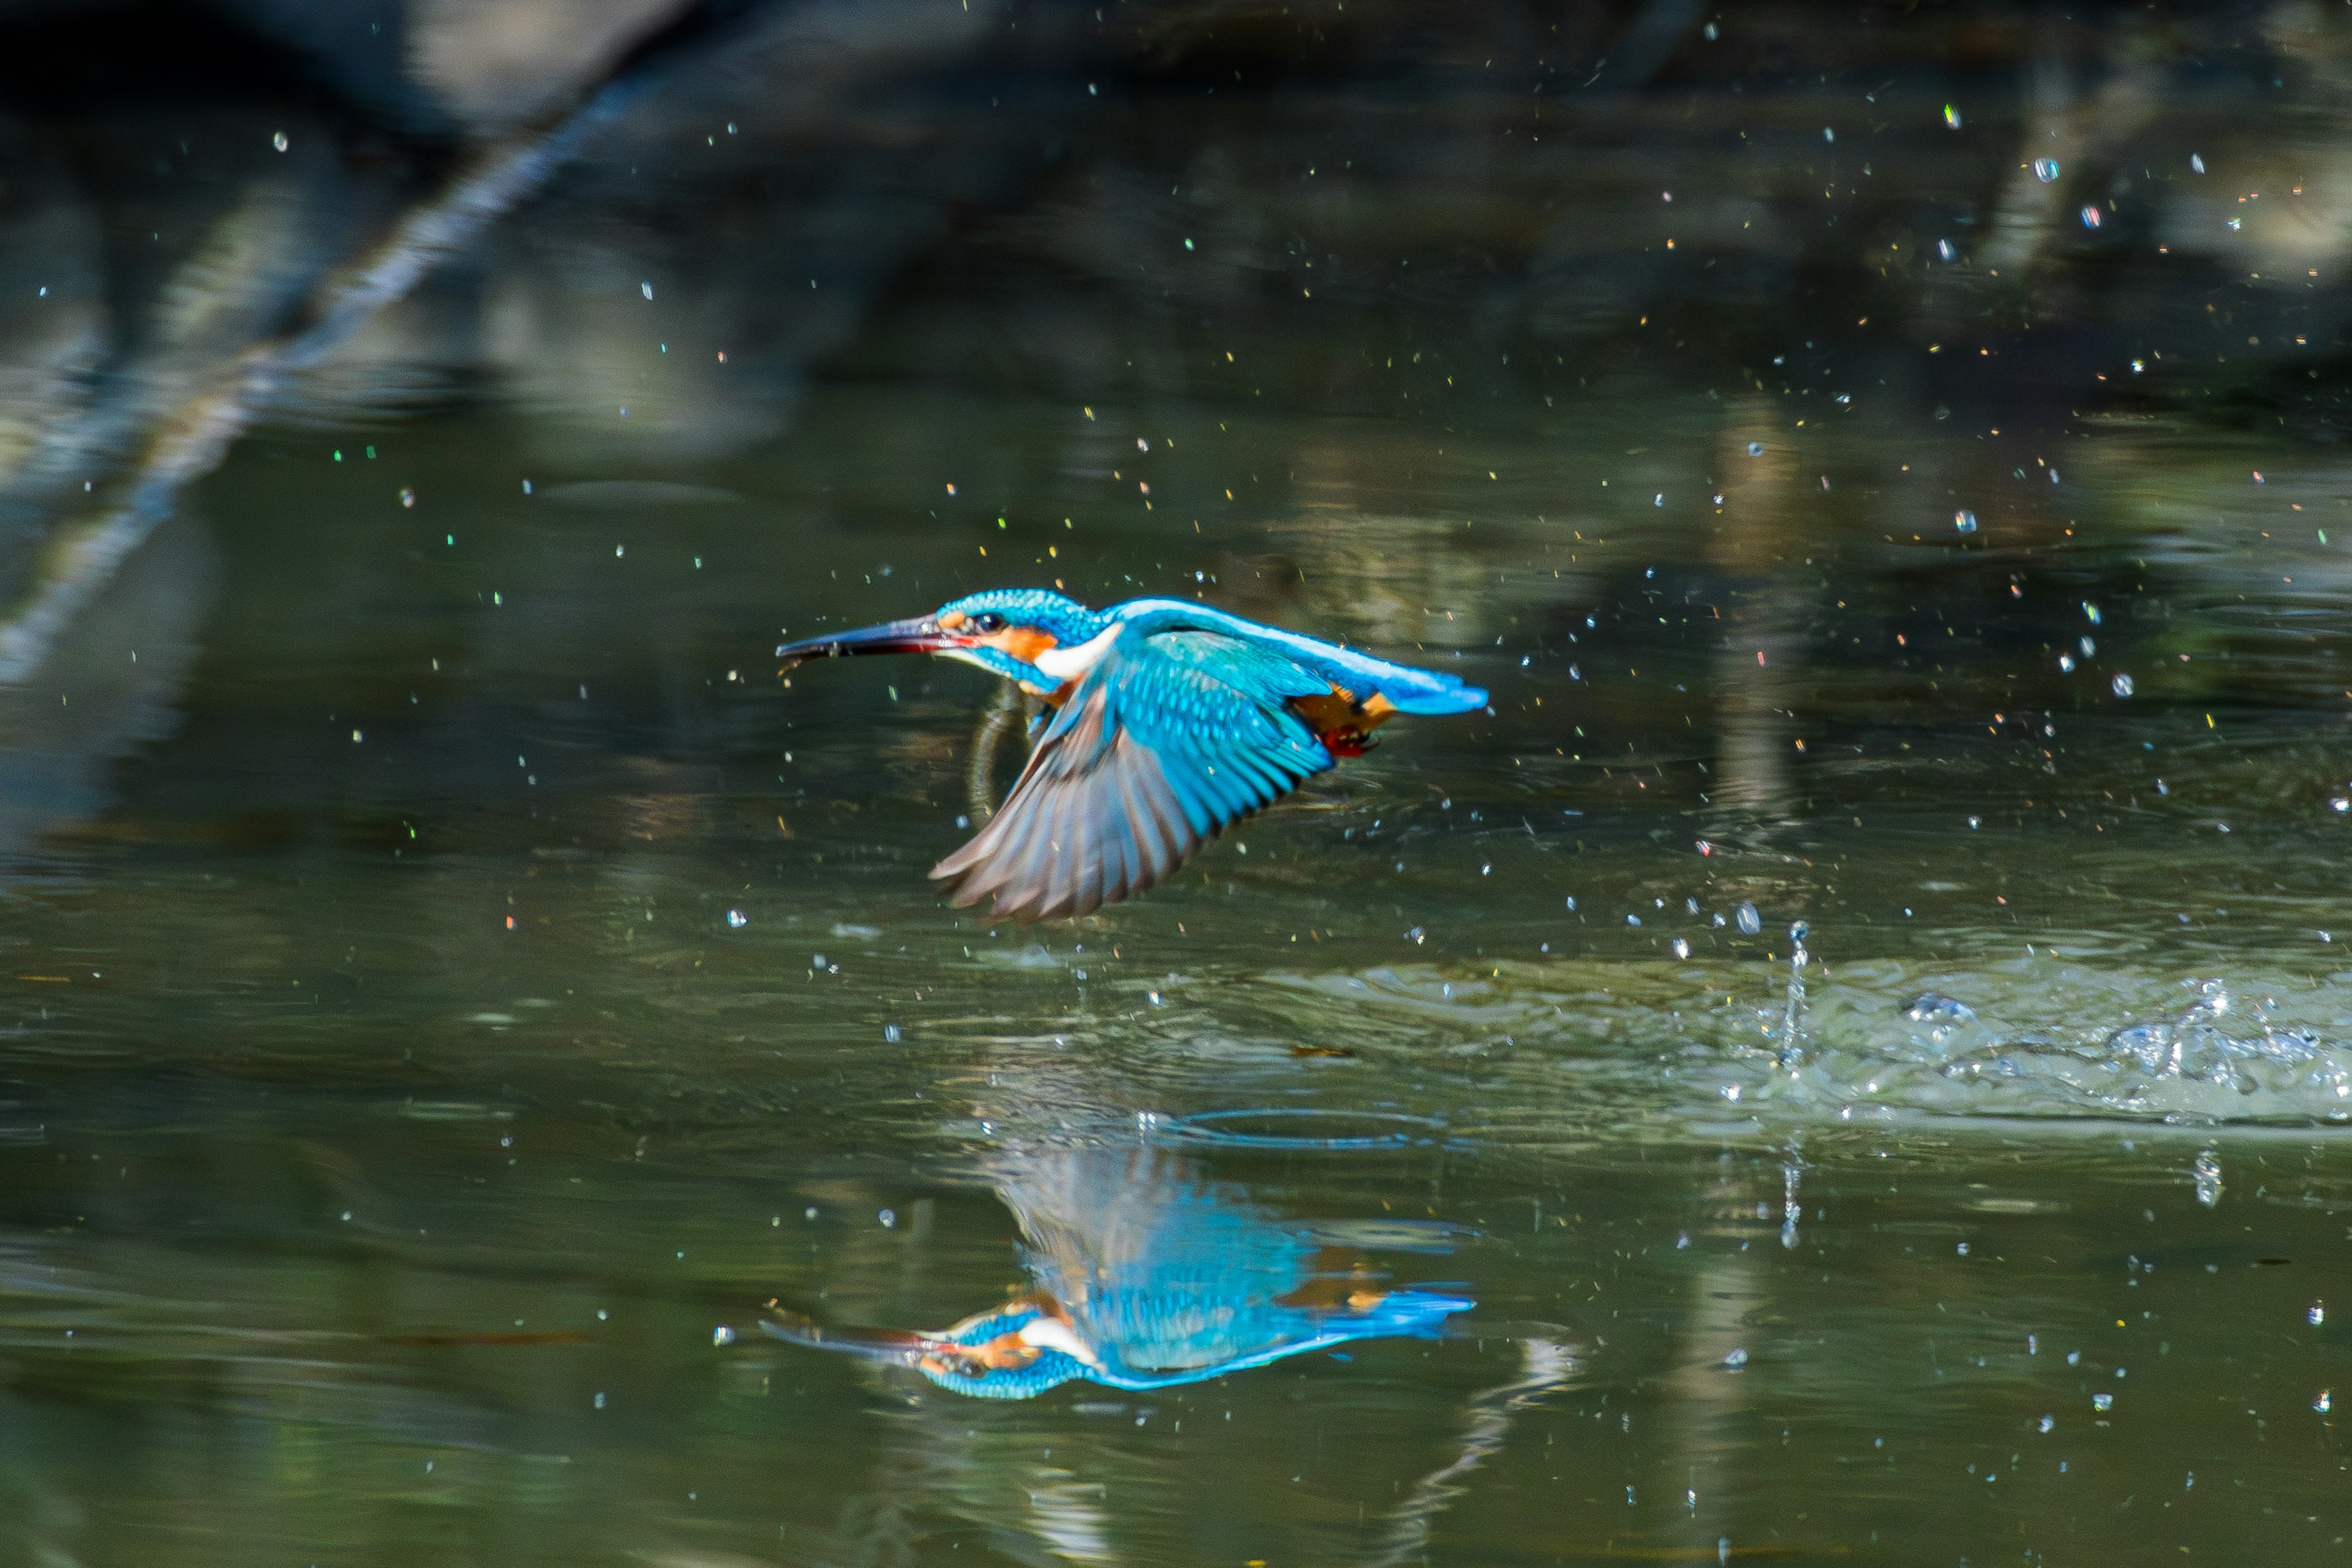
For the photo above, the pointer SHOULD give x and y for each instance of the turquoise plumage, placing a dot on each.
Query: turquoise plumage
(1148, 1277)
(1173, 722)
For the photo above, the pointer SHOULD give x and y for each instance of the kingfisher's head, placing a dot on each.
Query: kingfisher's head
(1003, 630)
(1015, 1353)
(1012, 1351)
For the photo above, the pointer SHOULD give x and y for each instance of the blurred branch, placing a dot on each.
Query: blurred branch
(173, 420)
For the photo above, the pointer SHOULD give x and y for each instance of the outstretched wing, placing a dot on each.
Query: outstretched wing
(1170, 737)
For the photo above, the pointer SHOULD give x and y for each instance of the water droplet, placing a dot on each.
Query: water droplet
(407, 496)
(1572, 900)
(2090, 217)
(2317, 1315)
(2323, 1403)
(1755, 449)
(1972, 823)
(2196, 163)
(1681, 948)
(1633, 920)
(1944, 250)
(1952, 116)
(2045, 169)
(2066, 662)
(890, 1035)
(1829, 133)
(1932, 1008)
(889, 1218)
(2087, 646)
(738, 919)
(1416, 936)
(1748, 920)
(279, 141)
(2103, 1402)
(647, 289)
(2206, 1173)
(1965, 522)
(2123, 685)
(1737, 1359)
(722, 1335)
(2047, 1422)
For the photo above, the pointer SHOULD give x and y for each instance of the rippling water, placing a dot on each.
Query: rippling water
(1847, 1060)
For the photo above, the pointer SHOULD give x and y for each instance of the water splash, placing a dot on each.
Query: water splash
(1880, 1039)
(1791, 1054)
(1792, 1173)
(2206, 1172)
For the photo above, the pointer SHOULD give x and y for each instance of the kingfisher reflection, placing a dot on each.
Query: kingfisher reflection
(1149, 1275)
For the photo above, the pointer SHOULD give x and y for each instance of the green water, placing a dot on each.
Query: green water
(451, 987)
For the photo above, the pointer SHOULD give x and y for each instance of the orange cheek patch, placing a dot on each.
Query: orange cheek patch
(1023, 643)
(952, 620)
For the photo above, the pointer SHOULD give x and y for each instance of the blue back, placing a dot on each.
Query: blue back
(1412, 690)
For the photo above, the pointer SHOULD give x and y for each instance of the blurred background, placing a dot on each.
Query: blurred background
(1860, 1014)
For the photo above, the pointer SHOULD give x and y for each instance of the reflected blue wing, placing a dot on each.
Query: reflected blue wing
(1281, 1334)
(1171, 737)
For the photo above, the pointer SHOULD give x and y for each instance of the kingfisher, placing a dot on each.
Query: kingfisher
(1165, 722)
(1145, 1276)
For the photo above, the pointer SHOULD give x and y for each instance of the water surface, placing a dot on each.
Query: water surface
(454, 990)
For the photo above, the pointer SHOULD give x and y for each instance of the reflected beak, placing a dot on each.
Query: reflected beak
(921, 634)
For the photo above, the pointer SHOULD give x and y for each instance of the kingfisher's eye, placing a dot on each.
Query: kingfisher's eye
(988, 622)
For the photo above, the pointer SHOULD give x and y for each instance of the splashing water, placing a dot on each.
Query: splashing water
(1881, 1039)
(1793, 1048)
(1792, 1205)
(2207, 1174)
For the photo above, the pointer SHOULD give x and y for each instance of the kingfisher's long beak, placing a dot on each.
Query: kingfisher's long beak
(922, 634)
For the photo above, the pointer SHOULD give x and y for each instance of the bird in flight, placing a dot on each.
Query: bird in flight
(1169, 721)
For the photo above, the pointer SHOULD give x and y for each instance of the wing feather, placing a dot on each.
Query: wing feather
(1171, 738)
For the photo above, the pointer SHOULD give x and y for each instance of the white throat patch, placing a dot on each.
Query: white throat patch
(1071, 663)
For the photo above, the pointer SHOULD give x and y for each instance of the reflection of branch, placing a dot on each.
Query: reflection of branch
(184, 438)
(1548, 1365)
(188, 439)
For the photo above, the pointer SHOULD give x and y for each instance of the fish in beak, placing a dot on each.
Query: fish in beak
(922, 634)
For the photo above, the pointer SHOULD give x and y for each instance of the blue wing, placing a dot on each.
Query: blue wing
(1172, 736)
(1407, 690)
